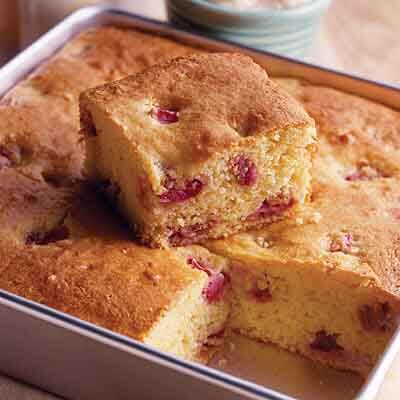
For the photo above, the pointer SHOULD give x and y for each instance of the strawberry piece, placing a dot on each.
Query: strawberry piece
(244, 170)
(178, 194)
(164, 116)
(325, 342)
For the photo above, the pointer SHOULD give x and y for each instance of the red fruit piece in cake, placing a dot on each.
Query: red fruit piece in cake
(396, 213)
(346, 138)
(343, 243)
(195, 263)
(9, 155)
(215, 339)
(190, 234)
(215, 287)
(365, 173)
(165, 116)
(244, 170)
(377, 317)
(4, 161)
(271, 208)
(176, 194)
(325, 342)
(217, 281)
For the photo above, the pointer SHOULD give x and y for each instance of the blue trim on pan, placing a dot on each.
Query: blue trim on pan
(71, 320)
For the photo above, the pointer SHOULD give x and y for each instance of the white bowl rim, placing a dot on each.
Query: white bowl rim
(263, 11)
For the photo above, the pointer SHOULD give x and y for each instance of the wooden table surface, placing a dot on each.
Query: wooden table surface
(357, 36)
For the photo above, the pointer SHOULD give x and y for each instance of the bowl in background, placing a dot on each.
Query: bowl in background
(285, 31)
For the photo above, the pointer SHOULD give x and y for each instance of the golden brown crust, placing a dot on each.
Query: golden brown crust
(41, 113)
(354, 132)
(41, 140)
(117, 285)
(365, 211)
(39, 117)
(98, 273)
(115, 53)
(356, 188)
(29, 206)
(221, 98)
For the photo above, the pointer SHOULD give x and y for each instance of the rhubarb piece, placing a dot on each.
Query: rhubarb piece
(217, 281)
(164, 116)
(199, 265)
(377, 317)
(365, 173)
(9, 155)
(244, 170)
(215, 287)
(176, 194)
(190, 234)
(215, 339)
(271, 208)
(342, 243)
(325, 342)
(346, 138)
(396, 213)
(4, 161)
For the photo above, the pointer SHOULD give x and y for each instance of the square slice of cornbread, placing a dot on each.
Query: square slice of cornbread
(199, 147)
(326, 283)
(175, 300)
(323, 284)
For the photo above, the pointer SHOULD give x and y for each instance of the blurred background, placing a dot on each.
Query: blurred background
(356, 36)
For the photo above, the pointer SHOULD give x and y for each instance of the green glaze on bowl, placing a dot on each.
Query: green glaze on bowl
(284, 31)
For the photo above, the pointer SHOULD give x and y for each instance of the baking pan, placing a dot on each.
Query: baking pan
(79, 360)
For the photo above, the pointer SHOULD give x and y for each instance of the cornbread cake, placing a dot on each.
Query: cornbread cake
(359, 139)
(30, 209)
(199, 147)
(39, 117)
(159, 297)
(41, 152)
(316, 286)
(324, 282)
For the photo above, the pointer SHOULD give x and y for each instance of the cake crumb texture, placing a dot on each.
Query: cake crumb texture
(324, 283)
